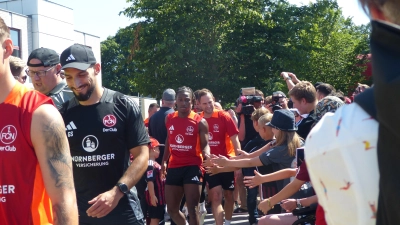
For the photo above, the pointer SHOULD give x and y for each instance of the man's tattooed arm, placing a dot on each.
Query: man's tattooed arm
(59, 159)
(52, 150)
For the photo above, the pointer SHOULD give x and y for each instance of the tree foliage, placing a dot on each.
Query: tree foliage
(224, 45)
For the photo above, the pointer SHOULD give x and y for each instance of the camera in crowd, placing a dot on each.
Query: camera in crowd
(247, 99)
(276, 103)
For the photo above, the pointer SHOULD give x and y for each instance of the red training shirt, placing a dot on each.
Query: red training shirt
(23, 197)
(184, 140)
(220, 128)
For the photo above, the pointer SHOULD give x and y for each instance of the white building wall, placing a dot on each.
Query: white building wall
(19, 22)
(45, 24)
(93, 42)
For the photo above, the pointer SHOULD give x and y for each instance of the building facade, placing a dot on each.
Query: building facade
(41, 23)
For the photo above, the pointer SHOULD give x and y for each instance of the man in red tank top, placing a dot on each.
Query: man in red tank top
(223, 140)
(36, 183)
(187, 144)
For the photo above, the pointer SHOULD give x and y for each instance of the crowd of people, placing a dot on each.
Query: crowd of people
(73, 152)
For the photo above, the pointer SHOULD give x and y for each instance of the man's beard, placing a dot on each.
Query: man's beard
(84, 96)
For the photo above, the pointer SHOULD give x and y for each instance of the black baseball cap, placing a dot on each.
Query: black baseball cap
(77, 56)
(48, 57)
(277, 93)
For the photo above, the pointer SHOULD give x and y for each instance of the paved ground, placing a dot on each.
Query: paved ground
(237, 219)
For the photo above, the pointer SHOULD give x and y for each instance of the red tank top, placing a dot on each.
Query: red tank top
(184, 141)
(220, 128)
(23, 198)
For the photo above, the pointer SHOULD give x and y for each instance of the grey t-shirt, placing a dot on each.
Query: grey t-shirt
(280, 159)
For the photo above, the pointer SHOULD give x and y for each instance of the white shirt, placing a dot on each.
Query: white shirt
(341, 156)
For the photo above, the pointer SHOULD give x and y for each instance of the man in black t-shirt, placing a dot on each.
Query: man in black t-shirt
(157, 127)
(158, 131)
(103, 127)
(304, 97)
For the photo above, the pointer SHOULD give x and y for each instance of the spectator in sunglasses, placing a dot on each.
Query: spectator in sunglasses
(17, 67)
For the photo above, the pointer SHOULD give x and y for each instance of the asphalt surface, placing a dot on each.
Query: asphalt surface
(237, 219)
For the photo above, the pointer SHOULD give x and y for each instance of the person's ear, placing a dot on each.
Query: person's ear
(8, 47)
(376, 13)
(97, 68)
(58, 68)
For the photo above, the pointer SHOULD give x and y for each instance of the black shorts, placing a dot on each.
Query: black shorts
(184, 175)
(156, 212)
(226, 180)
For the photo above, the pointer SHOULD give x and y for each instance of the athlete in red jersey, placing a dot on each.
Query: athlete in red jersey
(223, 140)
(187, 144)
(36, 183)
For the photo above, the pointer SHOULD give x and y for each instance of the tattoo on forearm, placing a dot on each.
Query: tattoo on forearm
(58, 161)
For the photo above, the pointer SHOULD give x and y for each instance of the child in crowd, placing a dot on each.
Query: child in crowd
(155, 197)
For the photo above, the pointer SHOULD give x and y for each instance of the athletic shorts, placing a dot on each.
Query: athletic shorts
(226, 180)
(184, 175)
(156, 212)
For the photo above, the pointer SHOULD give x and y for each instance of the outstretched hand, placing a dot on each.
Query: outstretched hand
(220, 160)
(213, 170)
(241, 155)
(253, 181)
(207, 162)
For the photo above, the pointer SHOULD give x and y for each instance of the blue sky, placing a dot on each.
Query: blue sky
(101, 19)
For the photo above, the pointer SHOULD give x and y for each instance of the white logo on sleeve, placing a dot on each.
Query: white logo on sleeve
(195, 179)
(179, 139)
(90, 143)
(8, 134)
(70, 57)
(232, 186)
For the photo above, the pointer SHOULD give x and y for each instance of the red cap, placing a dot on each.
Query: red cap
(154, 143)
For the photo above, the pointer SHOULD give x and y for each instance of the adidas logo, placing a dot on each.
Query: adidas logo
(232, 186)
(171, 127)
(70, 57)
(195, 179)
(71, 126)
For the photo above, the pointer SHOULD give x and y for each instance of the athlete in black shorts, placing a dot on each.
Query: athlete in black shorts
(187, 144)
(223, 140)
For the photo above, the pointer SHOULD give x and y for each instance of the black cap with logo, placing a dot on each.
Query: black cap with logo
(77, 56)
(48, 57)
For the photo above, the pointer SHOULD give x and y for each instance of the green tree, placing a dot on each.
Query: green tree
(225, 45)
(118, 69)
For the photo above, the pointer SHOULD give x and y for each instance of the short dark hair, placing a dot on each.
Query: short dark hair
(184, 89)
(325, 89)
(202, 92)
(340, 95)
(152, 105)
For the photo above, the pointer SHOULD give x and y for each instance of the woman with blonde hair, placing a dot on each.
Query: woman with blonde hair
(282, 150)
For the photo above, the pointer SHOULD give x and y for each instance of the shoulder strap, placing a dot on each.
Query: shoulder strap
(366, 101)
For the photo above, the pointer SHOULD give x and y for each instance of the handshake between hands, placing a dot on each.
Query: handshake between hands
(214, 164)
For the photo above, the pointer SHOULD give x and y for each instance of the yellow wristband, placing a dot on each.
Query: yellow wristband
(269, 204)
